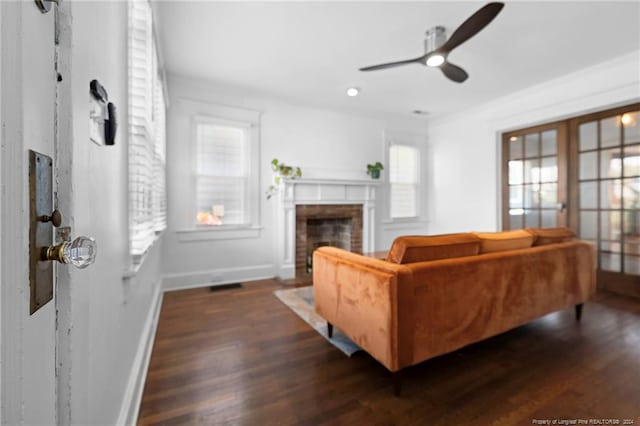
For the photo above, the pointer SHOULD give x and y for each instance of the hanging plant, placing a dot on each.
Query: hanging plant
(280, 171)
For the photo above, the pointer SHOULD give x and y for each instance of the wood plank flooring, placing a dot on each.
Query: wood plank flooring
(240, 356)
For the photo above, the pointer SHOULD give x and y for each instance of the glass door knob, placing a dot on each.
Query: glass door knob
(80, 252)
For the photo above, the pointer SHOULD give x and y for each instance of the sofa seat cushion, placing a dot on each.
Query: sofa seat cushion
(491, 242)
(544, 236)
(411, 249)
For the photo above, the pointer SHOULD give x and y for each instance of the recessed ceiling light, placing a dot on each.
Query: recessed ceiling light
(353, 91)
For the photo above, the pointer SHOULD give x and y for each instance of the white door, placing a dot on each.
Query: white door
(28, 90)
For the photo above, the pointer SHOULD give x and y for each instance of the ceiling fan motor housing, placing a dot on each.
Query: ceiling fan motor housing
(435, 38)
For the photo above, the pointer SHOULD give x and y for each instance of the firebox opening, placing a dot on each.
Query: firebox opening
(326, 225)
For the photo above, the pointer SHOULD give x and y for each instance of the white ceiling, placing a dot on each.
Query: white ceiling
(309, 53)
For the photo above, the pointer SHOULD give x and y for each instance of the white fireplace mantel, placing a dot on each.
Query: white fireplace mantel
(320, 191)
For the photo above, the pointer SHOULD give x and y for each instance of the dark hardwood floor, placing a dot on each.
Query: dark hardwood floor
(240, 356)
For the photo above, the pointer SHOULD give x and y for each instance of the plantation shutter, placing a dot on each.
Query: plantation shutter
(222, 171)
(147, 196)
(159, 179)
(403, 176)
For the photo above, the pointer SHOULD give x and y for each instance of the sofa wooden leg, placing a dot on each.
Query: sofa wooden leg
(329, 329)
(397, 383)
(578, 312)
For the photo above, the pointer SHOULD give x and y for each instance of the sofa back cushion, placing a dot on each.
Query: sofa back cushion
(502, 241)
(411, 249)
(544, 236)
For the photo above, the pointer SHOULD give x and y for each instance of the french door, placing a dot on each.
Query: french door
(534, 176)
(583, 173)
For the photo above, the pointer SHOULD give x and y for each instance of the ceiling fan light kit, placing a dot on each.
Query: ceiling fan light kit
(437, 47)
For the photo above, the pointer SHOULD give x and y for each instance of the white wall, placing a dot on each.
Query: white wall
(463, 193)
(108, 316)
(325, 144)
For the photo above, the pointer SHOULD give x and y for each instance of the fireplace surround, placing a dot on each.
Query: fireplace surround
(337, 199)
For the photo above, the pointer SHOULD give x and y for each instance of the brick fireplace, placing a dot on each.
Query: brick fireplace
(319, 207)
(326, 225)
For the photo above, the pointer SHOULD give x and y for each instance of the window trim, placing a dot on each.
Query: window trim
(198, 111)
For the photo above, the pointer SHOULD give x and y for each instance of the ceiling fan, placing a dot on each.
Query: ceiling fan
(437, 47)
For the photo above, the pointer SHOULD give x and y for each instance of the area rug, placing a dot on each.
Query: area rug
(300, 301)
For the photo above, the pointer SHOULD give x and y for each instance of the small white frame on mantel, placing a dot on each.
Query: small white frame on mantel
(295, 192)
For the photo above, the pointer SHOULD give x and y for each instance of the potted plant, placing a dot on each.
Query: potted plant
(281, 170)
(373, 170)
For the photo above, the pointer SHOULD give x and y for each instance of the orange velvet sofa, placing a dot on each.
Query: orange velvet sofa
(435, 294)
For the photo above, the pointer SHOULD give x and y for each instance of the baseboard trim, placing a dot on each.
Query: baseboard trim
(138, 375)
(213, 277)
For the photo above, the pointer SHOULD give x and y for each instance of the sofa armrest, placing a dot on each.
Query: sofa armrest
(360, 296)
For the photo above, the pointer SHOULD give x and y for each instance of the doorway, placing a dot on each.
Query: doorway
(583, 173)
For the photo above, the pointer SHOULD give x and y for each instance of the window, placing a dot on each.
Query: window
(403, 178)
(147, 194)
(222, 172)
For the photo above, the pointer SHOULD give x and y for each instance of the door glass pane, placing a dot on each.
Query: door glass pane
(610, 222)
(549, 219)
(531, 219)
(610, 163)
(631, 193)
(588, 225)
(549, 195)
(515, 219)
(515, 197)
(588, 136)
(631, 224)
(631, 127)
(531, 196)
(532, 171)
(632, 265)
(610, 132)
(610, 194)
(631, 163)
(610, 246)
(549, 169)
(549, 142)
(632, 246)
(588, 195)
(610, 261)
(515, 172)
(515, 147)
(532, 145)
(588, 165)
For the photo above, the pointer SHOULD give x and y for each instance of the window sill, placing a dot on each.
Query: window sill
(219, 233)
(137, 260)
(404, 223)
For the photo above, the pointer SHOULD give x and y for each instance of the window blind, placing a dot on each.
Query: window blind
(403, 177)
(221, 174)
(146, 131)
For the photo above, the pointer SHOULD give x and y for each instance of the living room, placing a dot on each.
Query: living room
(187, 305)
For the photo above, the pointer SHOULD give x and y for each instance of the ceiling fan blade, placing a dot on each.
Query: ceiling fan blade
(393, 64)
(472, 26)
(454, 72)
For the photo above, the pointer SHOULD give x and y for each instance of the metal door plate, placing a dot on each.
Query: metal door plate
(40, 233)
